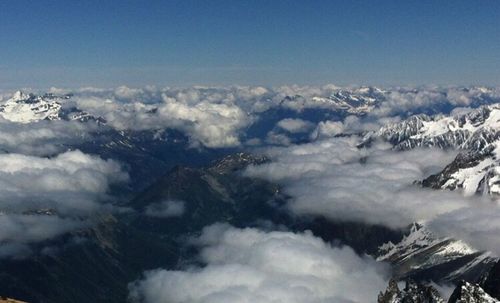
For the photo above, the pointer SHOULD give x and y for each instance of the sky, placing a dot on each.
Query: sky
(181, 43)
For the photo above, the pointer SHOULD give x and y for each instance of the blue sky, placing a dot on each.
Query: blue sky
(107, 43)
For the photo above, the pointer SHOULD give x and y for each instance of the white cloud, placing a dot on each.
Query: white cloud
(274, 138)
(69, 181)
(166, 209)
(333, 178)
(327, 129)
(478, 225)
(42, 137)
(250, 265)
(41, 198)
(295, 125)
(31, 228)
(433, 99)
(210, 119)
(218, 116)
(330, 178)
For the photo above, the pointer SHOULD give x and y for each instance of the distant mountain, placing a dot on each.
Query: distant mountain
(176, 190)
(27, 108)
(476, 170)
(357, 101)
(470, 131)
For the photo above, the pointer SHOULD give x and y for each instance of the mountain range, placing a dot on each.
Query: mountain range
(175, 190)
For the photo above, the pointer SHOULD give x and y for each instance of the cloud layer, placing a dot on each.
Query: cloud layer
(219, 116)
(334, 178)
(41, 198)
(250, 265)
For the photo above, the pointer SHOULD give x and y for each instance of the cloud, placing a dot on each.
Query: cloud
(327, 129)
(166, 209)
(218, 116)
(333, 178)
(41, 198)
(274, 138)
(210, 119)
(350, 125)
(433, 99)
(250, 265)
(295, 125)
(70, 181)
(336, 179)
(478, 226)
(43, 137)
(32, 227)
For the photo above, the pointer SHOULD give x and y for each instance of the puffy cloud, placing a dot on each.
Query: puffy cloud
(218, 116)
(327, 129)
(32, 227)
(295, 125)
(402, 100)
(54, 181)
(350, 125)
(335, 179)
(434, 99)
(250, 265)
(41, 198)
(211, 119)
(274, 138)
(166, 209)
(214, 125)
(43, 137)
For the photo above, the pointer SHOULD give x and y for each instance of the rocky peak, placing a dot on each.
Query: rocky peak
(413, 292)
(466, 292)
(491, 282)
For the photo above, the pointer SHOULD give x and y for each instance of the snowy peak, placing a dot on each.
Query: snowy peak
(466, 292)
(27, 108)
(476, 170)
(475, 129)
(472, 172)
(24, 108)
(359, 101)
(19, 95)
(355, 101)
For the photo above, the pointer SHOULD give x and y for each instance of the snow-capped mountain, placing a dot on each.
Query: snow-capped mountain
(473, 172)
(476, 169)
(467, 292)
(27, 108)
(473, 130)
(420, 253)
(360, 101)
